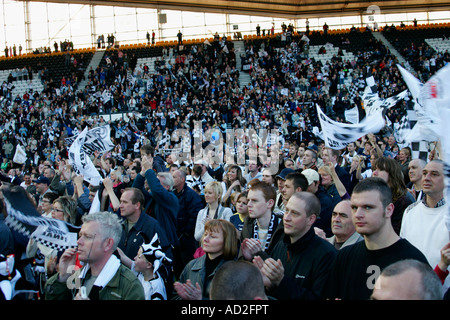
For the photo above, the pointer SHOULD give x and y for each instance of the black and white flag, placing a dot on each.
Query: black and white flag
(81, 162)
(96, 139)
(130, 78)
(106, 96)
(337, 135)
(426, 104)
(373, 103)
(24, 218)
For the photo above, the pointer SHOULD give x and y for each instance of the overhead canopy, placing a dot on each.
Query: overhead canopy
(280, 8)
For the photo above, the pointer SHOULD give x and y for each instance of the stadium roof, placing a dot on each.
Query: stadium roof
(280, 8)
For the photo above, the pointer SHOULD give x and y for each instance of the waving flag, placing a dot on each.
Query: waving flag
(20, 156)
(24, 218)
(81, 162)
(96, 139)
(427, 98)
(337, 135)
(373, 103)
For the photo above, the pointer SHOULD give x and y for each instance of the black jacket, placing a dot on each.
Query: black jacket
(306, 265)
(190, 204)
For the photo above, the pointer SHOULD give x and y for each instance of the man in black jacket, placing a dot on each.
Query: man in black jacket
(190, 204)
(297, 262)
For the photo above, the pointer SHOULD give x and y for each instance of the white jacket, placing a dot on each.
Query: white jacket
(221, 213)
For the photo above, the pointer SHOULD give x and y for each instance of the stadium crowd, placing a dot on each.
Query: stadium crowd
(213, 211)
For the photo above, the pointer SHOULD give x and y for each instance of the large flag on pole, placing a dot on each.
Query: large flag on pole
(426, 104)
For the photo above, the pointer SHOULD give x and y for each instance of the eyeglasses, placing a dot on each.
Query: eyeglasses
(58, 210)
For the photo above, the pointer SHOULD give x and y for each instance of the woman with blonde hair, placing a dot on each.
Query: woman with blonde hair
(332, 184)
(65, 208)
(220, 244)
(213, 209)
(46, 258)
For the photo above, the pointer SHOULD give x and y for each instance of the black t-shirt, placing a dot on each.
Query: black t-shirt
(356, 268)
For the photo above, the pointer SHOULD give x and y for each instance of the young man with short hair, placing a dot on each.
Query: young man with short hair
(357, 267)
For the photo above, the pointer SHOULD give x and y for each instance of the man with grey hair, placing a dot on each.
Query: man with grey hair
(102, 277)
(166, 180)
(160, 203)
(344, 232)
(423, 222)
(414, 186)
(56, 185)
(407, 279)
(190, 204)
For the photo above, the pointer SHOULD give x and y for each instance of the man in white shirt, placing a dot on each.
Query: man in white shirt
(415, 168)
(423, 222)
(253, 171)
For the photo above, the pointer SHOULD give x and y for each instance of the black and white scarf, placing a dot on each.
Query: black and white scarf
(274, 220)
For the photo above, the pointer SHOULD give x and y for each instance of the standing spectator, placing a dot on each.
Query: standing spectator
(254, 167)
(56, 185)
(331, 157)
(309, 160)
(325, 29)
(261, 222)
(425, 225)
(160, 201)
(356, 267)
(323, 221)
(233, 181)
(295, 182)
(344, 232)
(190, 204)
(103, 276)
(404, 157)
(136, 222)
(8, 149)
(415, 178)
(42, 187)
(180, 37)
(213, 209)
